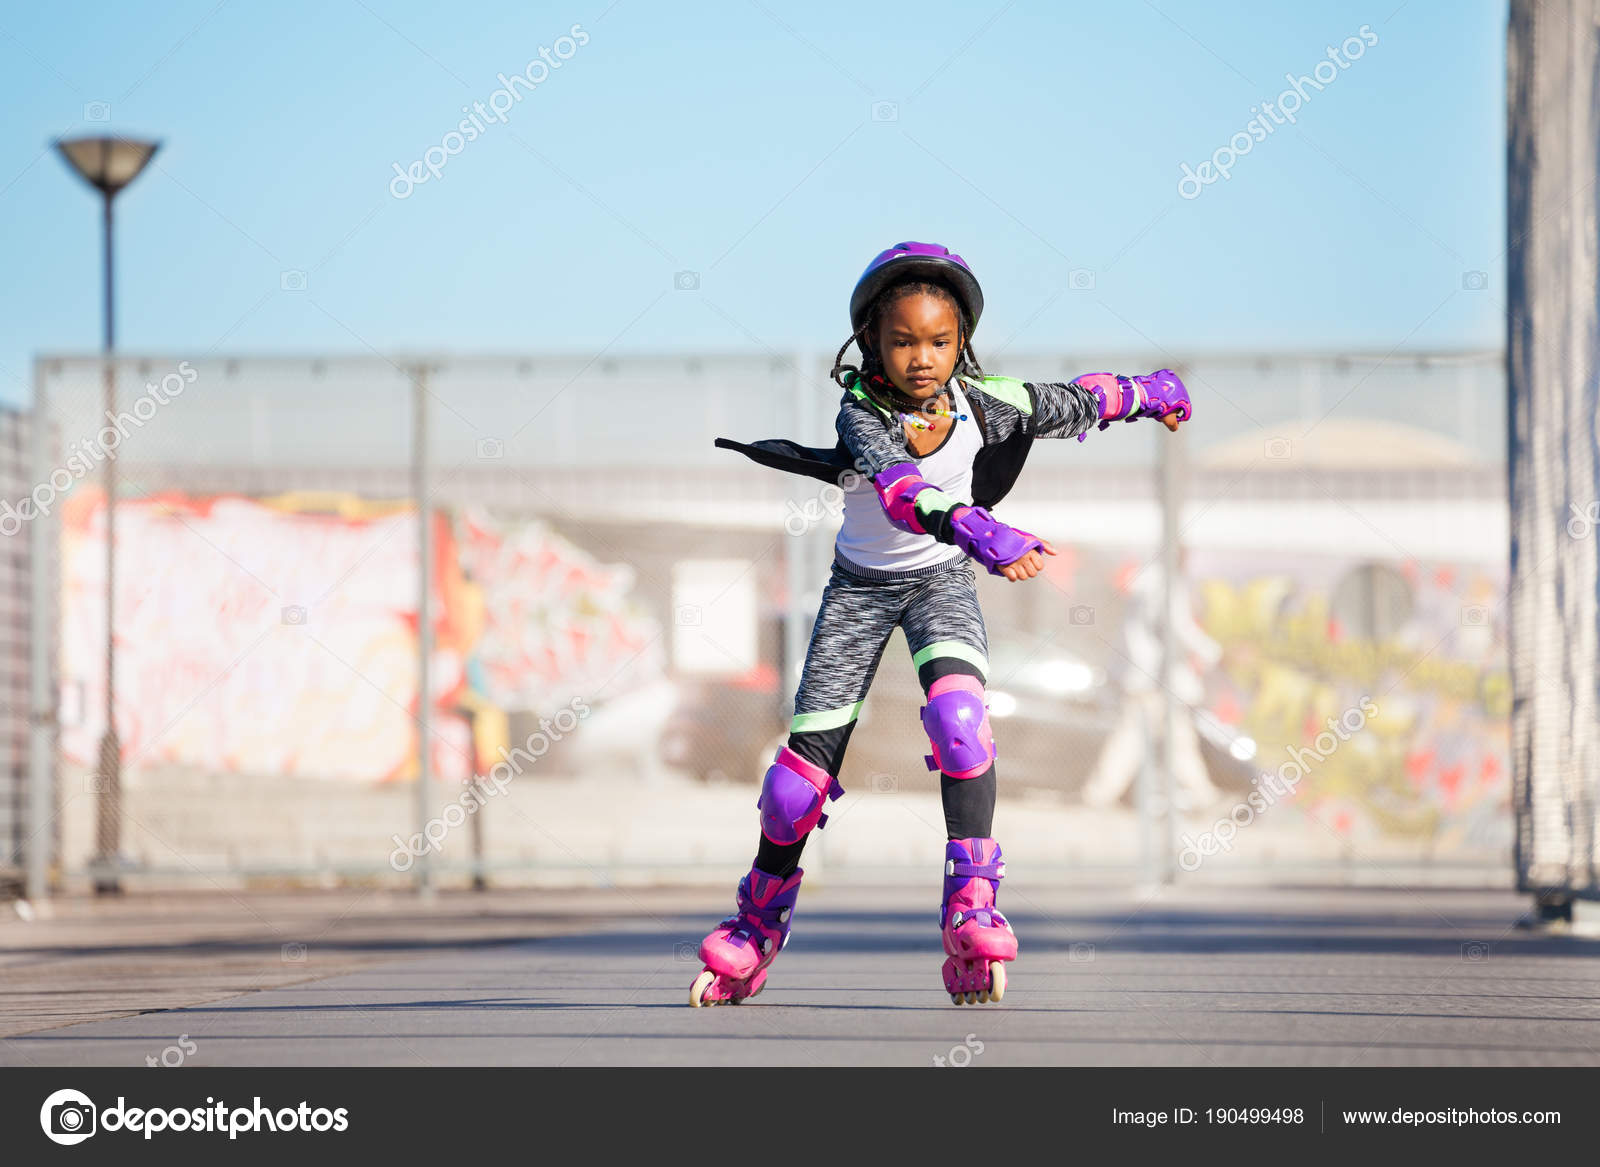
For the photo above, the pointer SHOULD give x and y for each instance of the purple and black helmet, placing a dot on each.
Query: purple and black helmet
(918, 261)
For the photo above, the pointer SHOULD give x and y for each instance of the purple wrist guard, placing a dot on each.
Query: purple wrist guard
(1126, 398)
(988, 540)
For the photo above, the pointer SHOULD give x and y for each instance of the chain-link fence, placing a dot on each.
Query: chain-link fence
(615, 613)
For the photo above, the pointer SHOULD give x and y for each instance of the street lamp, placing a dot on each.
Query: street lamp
(108, 165)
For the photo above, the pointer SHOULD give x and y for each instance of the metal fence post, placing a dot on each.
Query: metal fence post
(1171, 514)
(421, 487)
(41, 636)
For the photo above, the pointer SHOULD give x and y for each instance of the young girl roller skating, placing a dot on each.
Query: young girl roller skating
(927, 445)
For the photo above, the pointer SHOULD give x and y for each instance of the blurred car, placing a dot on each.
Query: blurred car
(1049, 710)
(725, 729)
(1051, 713)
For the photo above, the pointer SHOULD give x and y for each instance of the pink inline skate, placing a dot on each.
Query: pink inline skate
(738, 952)
(976, 935)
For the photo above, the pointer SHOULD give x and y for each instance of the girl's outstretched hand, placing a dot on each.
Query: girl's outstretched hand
(1170, 420)
(1029, 565)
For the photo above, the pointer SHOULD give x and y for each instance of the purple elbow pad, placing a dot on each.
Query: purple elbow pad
(1126, 398)
(988, 540)
(897, 488)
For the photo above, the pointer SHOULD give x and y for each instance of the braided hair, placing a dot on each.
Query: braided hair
(870, 374)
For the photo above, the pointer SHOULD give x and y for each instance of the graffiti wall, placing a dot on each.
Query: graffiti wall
(280, 636)
(1418, 647)
(546, 620)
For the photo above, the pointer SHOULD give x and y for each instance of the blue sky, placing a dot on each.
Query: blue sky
(769, 149)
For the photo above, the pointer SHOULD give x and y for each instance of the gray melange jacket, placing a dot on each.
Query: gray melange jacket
(1010, 414)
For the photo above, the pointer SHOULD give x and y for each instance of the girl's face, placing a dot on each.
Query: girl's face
(918, 342)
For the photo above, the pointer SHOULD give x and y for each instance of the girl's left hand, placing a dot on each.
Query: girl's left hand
(1028, 566)
(1170, 420)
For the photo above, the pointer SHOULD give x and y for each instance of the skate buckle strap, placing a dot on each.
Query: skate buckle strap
(986, 917)
(746, 925)
(969, 870)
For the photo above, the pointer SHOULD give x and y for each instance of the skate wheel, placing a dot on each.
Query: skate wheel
(972, 998)
(697, 991)
(997, 980)
(956, 998)
(983, 996)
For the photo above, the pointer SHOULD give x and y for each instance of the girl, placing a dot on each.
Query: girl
(927, 444)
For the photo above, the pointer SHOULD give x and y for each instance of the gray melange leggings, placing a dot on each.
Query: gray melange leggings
(943, 627)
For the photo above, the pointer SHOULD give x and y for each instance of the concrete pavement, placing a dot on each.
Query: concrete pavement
(1200, 975)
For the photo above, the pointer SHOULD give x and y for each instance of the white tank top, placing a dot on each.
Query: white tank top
(869, 540)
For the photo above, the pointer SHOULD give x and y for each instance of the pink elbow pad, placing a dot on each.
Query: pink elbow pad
(897, 488)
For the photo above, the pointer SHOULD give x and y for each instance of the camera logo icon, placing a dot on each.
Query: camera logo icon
(885, 111)
(490, 449)
(686, 281)
(293, 280)
(1080, 279)
(97, 111)
(1080, 614)
(688, 615)
(68, 1117)
(1474, 615)
(294, 953)
(294, 614)
(1279, 449)
(1474, 281)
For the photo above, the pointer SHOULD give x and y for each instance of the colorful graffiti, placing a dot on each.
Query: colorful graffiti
(280, 635)
(550, 621)
(1425, 643)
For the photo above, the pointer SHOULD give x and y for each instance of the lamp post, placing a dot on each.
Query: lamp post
(108, 165)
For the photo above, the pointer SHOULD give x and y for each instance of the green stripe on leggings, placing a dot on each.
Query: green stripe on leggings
(952, 648)
(827, 719)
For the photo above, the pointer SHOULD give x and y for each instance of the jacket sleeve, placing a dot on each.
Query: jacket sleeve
(1062, 410)
(878, 450)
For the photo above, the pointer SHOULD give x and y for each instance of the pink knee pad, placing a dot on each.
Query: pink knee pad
(957, 723)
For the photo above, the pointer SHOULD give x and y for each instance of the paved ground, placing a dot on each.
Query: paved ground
(1199, 976)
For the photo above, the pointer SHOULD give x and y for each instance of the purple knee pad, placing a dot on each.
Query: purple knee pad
(957, 722)
(792, 797)
(988, 540)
